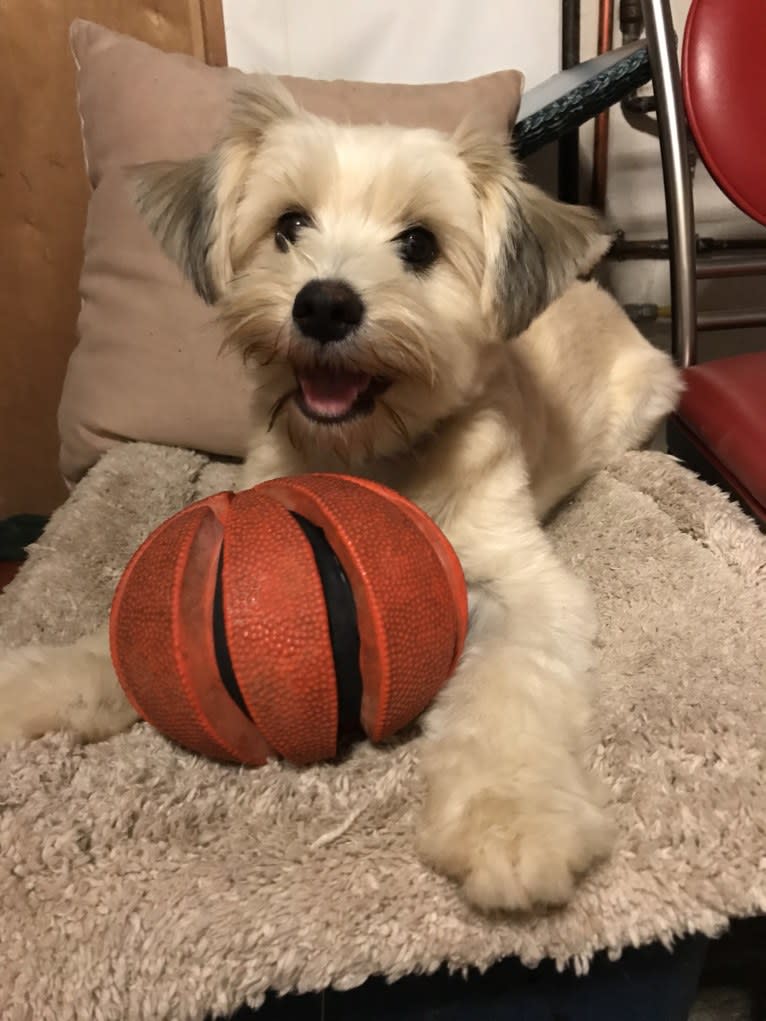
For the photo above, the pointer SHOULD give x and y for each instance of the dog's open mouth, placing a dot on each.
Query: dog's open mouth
(332, 396)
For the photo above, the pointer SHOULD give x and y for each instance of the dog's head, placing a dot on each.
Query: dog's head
(367, 269)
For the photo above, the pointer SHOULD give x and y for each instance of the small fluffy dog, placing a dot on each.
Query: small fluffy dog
(377, 277)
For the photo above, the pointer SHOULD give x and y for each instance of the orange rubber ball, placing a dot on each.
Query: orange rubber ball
(284, 620)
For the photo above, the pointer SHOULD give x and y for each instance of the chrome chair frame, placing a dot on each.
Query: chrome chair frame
(679, 203)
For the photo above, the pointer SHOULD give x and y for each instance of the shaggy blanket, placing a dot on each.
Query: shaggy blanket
(138, 881)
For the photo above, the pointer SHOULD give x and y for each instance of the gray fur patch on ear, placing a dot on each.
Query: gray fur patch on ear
(549, 244)
(521, 277)
(178, 203)
(536, 246)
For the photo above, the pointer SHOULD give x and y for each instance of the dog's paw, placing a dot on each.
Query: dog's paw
(511, 853)
(44, 688)
(19, 673)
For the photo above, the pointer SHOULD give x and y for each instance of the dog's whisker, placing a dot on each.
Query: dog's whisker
(418, 363)
(251, 342)
(307, 257)
(275, 347)
(277, 407)
(398, 423)
(369, 448)
(295, 444)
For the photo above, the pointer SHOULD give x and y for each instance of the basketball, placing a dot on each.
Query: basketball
(287, 620)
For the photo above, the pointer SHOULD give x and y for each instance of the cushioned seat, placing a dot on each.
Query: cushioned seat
(723, 411)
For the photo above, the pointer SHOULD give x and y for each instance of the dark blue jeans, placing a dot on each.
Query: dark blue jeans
(648, 984)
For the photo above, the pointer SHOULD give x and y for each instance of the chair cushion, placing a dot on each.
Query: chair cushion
(724, 407)
(724, 78)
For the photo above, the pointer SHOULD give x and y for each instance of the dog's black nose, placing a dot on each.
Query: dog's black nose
(327, 310)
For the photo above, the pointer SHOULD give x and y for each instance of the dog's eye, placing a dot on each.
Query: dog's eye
(289, 225)
(417, 247)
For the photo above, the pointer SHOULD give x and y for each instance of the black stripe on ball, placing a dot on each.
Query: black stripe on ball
(344, 629)
(221, 645)
(342, 623)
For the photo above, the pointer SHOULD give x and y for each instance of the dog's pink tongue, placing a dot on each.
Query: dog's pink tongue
(332, 394)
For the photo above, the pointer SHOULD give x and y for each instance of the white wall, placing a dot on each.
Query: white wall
(394, 40)
(439, 40)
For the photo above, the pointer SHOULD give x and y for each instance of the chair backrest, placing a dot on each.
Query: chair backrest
(724, 83)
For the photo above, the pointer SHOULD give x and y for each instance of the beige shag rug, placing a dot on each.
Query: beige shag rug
(140, 882)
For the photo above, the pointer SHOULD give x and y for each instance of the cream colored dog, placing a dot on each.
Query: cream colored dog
(376, 278)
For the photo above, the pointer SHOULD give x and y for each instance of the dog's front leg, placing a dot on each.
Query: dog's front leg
(512, 811)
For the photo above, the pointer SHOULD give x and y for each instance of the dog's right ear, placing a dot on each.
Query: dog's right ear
(190, 206)
(258, 105)
(179, 203)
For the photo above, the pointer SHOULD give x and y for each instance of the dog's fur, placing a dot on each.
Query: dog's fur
(486, 432)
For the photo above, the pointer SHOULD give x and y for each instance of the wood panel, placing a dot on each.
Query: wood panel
(43, 197)
(214, 32)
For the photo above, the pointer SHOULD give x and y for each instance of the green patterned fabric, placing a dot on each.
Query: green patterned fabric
(575, 96)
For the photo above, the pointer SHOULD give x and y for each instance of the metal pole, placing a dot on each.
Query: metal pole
(707, 248)
(675, 169)
(730, 320)
(569, 144)
(601, 127)
(714, 269)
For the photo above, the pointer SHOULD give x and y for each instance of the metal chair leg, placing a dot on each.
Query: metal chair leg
(675, 169)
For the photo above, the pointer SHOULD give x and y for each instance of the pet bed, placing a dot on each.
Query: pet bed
(139, 881)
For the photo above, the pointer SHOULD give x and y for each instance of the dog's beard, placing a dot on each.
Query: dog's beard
(372, 427)
(357, 399)
(346, 405)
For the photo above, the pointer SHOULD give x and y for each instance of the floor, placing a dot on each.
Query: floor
(722, 1003)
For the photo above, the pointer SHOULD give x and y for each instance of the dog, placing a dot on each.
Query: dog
(387, 285)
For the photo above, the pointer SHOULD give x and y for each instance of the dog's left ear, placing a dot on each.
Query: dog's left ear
(535, 246)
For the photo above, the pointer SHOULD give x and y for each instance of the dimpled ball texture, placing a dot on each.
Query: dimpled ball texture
(287, 619)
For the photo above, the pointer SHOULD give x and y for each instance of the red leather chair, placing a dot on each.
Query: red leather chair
(720, 427)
